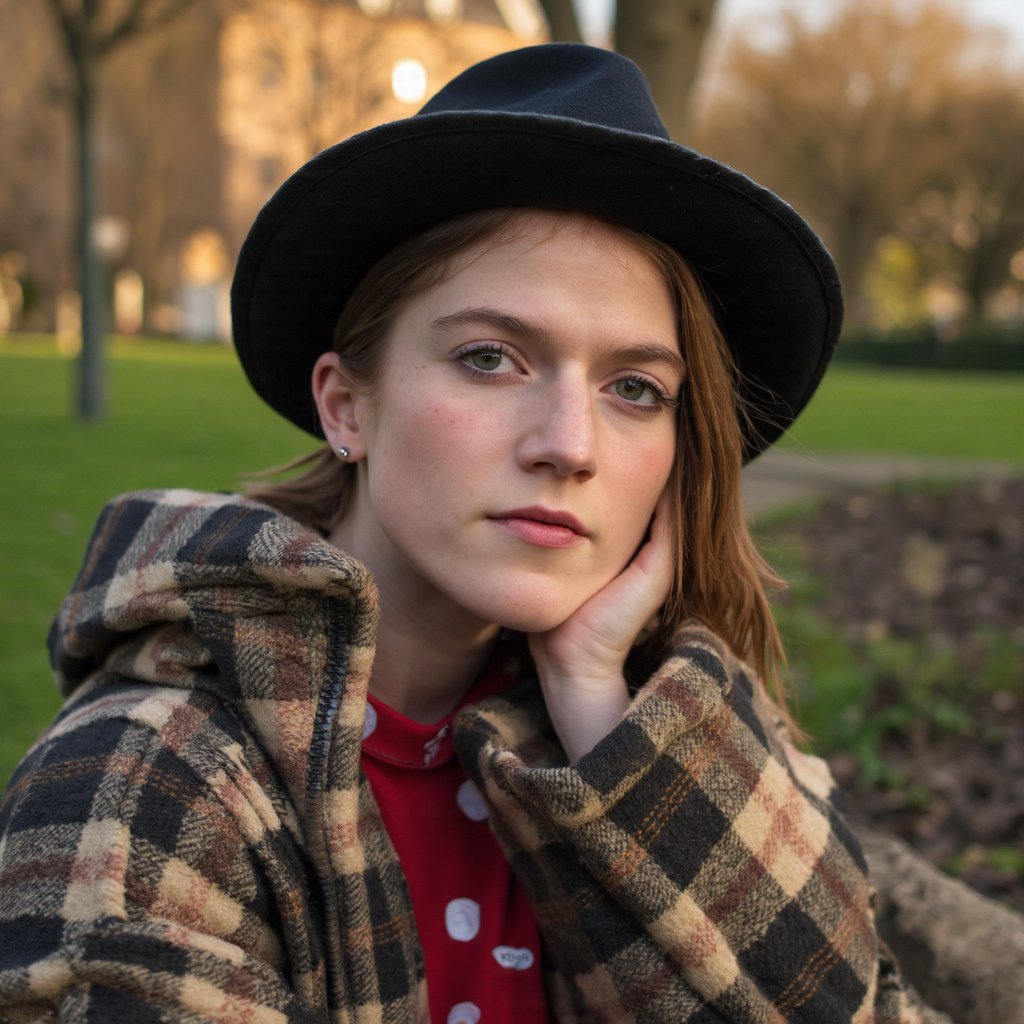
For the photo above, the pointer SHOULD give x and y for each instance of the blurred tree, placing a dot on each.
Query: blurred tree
(90, 31)
(976, 210)
(849, 118)
(665, 37)
(34, 198)
(161, 149)
(899, 281)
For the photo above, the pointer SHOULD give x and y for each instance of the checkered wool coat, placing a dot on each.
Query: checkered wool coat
(192, 840)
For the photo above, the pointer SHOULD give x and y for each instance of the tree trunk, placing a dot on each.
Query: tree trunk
(665, 37)
(562, 21)
(984, 267)
(853, 245)
(92, 398)
(86, 44)
(963, 952)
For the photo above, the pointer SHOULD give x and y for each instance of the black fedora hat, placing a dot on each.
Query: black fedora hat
(559, 126)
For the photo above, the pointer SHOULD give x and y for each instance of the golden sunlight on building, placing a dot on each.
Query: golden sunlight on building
(299, 75)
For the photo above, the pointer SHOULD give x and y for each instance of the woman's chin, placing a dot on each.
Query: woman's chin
(526, 602)
(530, 613)
(531, 622)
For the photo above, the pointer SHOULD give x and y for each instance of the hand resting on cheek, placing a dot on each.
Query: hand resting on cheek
(580, 662)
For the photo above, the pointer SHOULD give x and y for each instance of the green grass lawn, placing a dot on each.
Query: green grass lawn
(915, 412)
(179, 416)
(183, 415)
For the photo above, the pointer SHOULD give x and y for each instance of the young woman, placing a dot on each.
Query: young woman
(457, 724)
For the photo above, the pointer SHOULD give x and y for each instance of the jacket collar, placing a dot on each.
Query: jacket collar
(220, 593)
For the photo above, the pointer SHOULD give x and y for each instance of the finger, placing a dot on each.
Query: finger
(656, 555)
(662, 516)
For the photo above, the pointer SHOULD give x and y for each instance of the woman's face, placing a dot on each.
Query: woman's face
(522, 427)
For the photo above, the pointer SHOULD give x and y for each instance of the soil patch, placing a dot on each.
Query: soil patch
(943, 570)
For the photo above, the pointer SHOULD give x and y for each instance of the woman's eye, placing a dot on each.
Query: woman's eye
(486, 359)
(638, 391)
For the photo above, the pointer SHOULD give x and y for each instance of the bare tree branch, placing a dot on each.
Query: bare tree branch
(73, 32)
(133, 24)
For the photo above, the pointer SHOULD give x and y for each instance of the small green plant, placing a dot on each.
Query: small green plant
(858, 691)
(1008, 860)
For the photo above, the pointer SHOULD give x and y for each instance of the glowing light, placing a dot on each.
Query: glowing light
(409, 81)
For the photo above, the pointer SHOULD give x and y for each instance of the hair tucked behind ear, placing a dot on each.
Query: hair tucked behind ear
(720, 578)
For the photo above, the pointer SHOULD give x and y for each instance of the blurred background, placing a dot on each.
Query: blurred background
(897, 127)
(138, 138)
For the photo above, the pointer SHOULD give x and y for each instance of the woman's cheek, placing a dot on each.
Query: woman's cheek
(645, 476)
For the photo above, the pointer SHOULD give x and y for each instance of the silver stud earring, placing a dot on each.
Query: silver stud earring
(341, 452)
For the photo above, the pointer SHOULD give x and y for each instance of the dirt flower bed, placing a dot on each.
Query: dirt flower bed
(926, 590)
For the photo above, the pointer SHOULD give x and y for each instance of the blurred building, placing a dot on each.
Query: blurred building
(201, 121)
(300, 75)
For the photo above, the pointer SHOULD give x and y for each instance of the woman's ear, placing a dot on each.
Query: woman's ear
(342, 407)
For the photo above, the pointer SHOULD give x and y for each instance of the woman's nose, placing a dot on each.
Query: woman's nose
(561, 434)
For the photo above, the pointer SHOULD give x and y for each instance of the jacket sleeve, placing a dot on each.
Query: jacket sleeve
(692, 867)
(133, 890)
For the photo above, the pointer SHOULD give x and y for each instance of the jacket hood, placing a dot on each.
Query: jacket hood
(220, 593)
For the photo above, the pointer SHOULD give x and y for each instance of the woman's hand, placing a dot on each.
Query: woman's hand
(580, 662)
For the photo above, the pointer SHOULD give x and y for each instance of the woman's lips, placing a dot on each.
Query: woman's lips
(548, 528)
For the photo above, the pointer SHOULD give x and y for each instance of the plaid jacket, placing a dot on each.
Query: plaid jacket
(192, 839)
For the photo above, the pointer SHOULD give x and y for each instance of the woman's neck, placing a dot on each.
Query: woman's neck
(423, 674)
(430, 650)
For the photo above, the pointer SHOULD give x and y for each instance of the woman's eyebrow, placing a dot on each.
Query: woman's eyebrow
(640, 352)
(650, 353)
(493, 318)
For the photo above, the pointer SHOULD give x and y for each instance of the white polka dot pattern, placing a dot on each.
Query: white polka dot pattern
(464, 1013)
(433, 745)
(475, 923)
(370, 721)
(462, 919)
(512, 958)
(471, 803)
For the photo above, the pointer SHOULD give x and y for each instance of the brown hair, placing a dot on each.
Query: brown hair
(720, 578)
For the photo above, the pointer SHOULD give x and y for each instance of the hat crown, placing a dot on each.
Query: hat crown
(564, 80)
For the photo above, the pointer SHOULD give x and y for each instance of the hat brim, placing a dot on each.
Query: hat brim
(771, 283)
